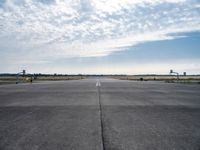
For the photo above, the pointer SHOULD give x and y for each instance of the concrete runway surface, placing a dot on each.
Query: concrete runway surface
(100, 114)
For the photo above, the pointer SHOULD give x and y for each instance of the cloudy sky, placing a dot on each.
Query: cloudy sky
(100, 36)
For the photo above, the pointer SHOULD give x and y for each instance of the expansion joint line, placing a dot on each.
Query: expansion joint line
(101, 114)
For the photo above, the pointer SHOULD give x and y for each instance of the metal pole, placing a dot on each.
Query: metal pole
(177, 74)
(17, 78)
(23, 72)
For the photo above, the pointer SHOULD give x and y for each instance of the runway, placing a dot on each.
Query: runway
(100, 114)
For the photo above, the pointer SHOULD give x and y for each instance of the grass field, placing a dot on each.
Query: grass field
(166, 78)
(27, 79)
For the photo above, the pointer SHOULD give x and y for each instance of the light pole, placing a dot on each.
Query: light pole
(177, 74)
(22, 72)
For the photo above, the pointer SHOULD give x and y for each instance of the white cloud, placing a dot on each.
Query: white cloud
(85, 28)
(111, 6)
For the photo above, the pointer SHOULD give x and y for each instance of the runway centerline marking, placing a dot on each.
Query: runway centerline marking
(98, 83)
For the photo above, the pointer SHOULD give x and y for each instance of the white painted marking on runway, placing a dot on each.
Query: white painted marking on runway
(98, 83)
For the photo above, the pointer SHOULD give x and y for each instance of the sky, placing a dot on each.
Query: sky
(100, 36)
